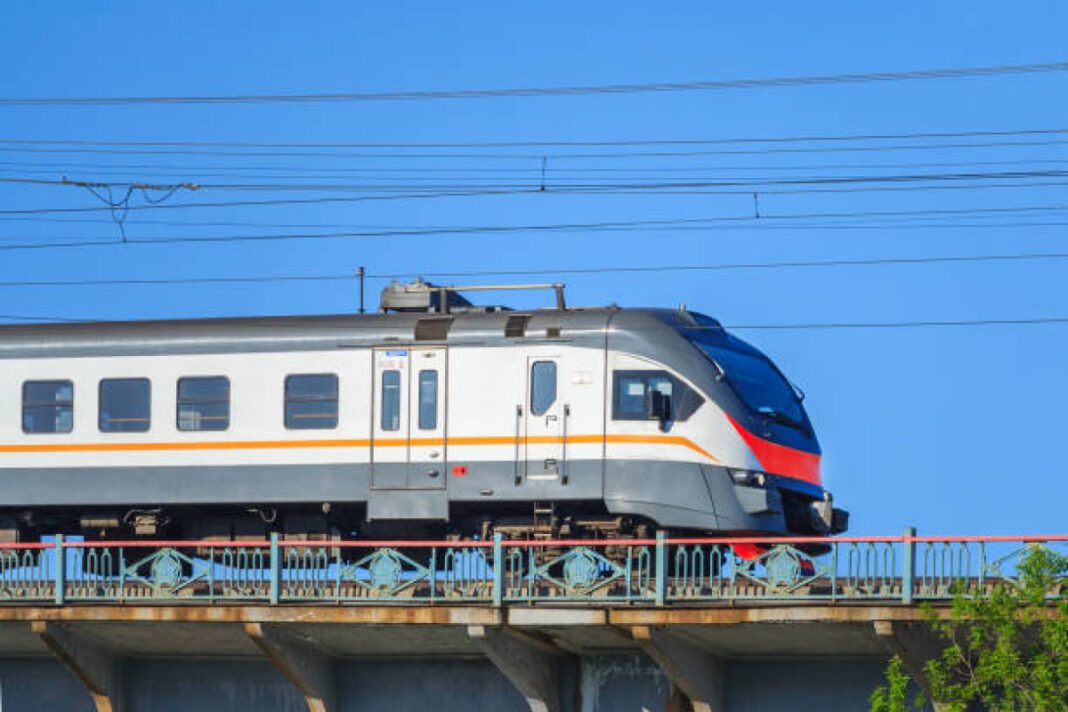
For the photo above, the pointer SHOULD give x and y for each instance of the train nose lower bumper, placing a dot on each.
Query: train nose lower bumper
(825, 518)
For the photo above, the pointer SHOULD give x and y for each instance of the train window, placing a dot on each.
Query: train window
(47, 406)
(311, 401)
(542, 386)
(203, 403)
(391, 400)
(124, 405)
(428, 400)
(631, 389)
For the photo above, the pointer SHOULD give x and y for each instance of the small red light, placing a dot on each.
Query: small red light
(459, 471)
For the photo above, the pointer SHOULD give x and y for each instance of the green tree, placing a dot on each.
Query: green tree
(1006, 649)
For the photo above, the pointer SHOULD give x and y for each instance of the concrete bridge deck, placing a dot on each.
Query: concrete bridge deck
(452, 657)
(703, 624)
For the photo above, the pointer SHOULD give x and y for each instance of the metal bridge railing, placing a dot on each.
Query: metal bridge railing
(657, 572)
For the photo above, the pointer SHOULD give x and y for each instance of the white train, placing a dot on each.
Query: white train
(432, 417)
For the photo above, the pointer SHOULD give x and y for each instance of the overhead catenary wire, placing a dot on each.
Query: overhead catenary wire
(303, 171)
(891, 214)
(578, 90)
(569, 184)
(520, 189)
(809, 138)
(288, 201)
(604, 269)
(700, 223)
(801, 326)
(532, 156)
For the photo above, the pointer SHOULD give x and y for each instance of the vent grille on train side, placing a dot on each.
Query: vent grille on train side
(433, 329)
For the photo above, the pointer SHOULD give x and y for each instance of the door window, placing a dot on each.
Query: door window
(428, 400)
(542, 386)
(391, 383)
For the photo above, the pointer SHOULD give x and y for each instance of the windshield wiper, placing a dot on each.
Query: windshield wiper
(778, 417)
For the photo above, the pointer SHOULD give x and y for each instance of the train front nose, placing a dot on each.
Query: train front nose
(793, 472)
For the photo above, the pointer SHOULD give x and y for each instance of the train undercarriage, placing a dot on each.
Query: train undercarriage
(323, 522)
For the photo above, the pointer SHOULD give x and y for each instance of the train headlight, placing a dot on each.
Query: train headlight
(748, 478)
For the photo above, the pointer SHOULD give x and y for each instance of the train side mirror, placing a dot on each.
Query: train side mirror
(659, 408)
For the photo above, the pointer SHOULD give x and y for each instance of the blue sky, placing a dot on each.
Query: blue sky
(954, 430)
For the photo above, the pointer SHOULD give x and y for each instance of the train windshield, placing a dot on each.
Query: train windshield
(758, 383)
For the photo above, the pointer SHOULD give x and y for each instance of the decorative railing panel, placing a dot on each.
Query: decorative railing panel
(656, 572)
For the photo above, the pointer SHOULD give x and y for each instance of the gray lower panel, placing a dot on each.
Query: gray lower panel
(96, 486)
(682, 495)
(672, 494)
(274, 484)
(408, 504)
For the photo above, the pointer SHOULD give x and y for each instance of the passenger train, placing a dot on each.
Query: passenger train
(433, 417)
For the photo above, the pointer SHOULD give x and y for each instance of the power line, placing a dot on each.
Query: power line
(534, 156)
(758, 182)
(972, 212)
(817, 138)
(899, 324)
(229, 170)
(755, 225)
(703, 223)
(598, 89)
(289, 201)
(784, 264)
(809, 326)
(559, 190)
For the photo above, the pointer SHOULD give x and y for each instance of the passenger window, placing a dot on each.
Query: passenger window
(542, 386)
(428, 400)
(390, 400)
(124, 405)
(204, 403)
(47, 406)
(631, 395)
(311, 401)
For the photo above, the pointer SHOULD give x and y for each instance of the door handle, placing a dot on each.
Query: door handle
(435, 454)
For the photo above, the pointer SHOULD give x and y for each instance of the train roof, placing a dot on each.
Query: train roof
(323, 332)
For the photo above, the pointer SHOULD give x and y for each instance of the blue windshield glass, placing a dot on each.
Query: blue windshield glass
(757, 382)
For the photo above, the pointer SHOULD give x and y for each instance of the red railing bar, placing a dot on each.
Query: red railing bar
(394, 543)
(485, 543)
(171, 543)
(1025, 539)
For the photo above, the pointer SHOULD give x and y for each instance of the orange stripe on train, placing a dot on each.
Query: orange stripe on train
(356, 443)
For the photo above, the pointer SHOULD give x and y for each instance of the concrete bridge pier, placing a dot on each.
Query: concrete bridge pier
(693, 672)
(532, 664)
(915, 643)
(301, 662)
(98, 669)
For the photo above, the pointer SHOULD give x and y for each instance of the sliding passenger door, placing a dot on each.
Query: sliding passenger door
(426, 404)
(408, 419)
(546, 416)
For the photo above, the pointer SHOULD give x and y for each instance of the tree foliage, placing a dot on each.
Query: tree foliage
(1005, 649)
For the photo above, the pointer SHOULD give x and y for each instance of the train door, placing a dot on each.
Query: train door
(408, 419)
(546, 416)
(426, 403)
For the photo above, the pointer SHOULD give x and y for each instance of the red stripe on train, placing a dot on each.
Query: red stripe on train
(779, 459)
